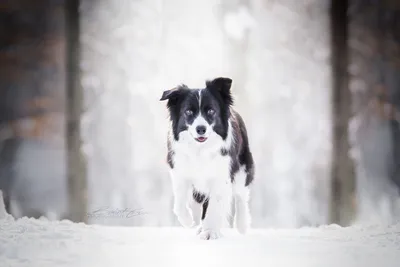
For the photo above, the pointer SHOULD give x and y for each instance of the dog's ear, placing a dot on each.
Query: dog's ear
(221, 83)
(171, 93)
(223, 86)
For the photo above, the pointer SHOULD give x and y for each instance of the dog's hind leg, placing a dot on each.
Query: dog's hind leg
(241, 195)
(242, 214)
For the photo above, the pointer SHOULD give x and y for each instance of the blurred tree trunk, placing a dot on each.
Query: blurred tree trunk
(343, 178)
(76, 167)
(32, 88)
(374, 62)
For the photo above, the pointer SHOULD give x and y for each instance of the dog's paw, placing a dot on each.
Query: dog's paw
(199, 229)
(209, 234)
(185, 219)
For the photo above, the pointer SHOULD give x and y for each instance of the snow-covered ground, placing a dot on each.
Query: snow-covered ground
(30, 242)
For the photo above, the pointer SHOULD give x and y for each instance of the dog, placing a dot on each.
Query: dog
(209, 158)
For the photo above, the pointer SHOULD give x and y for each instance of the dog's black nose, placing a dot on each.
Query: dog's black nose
(201, 129)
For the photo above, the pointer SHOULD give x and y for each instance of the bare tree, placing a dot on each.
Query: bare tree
(76, 165)
(343, 177)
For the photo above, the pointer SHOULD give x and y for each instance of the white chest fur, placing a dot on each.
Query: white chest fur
(203, 171)
(202, 165)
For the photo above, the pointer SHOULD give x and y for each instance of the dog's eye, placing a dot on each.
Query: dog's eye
(188, 112)
(210, 111)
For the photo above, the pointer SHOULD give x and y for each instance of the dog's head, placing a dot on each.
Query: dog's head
(200, 114)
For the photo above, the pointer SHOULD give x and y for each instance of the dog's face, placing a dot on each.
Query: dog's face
(200, 114)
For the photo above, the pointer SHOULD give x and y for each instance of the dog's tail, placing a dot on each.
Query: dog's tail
(242, 219)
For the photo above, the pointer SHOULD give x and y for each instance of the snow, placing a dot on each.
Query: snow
(40, 242)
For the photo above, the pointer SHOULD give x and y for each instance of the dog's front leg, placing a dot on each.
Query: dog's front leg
(181, 189)
(218, 211)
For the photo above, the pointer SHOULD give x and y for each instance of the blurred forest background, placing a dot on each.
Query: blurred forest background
(317, 82)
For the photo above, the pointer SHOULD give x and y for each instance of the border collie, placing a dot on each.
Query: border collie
(209, 158)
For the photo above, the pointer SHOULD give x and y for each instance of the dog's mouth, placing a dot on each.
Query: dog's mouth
(201, 139)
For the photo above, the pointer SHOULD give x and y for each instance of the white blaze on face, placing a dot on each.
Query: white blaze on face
(200, 91)
(199, 121)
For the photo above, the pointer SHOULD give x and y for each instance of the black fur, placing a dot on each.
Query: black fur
(205, 206)
(241, 153)
(199, 197)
